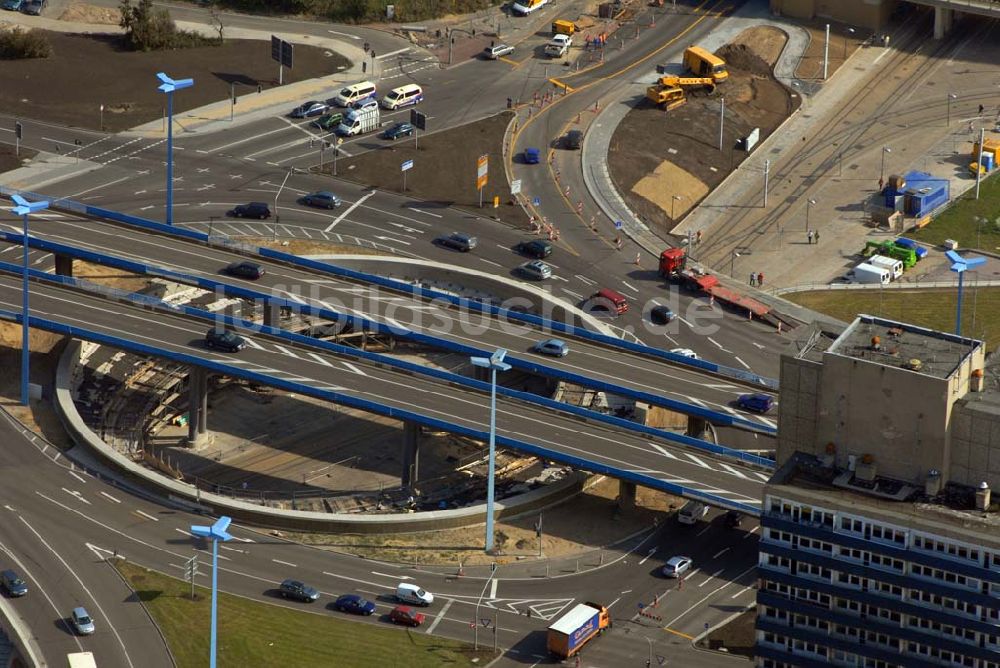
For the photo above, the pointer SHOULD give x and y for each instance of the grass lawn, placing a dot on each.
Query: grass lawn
(260, 635)
(928, 308)
(958, 221)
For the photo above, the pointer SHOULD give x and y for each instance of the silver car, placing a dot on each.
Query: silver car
(82, 622)
(498, 51)
(536, 269)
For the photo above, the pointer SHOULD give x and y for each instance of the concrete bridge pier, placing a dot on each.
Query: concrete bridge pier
(272, 314)
(197, 405)
(411, 454)
(696, 427)
(942, 21)
(626, 495)
(64, 265)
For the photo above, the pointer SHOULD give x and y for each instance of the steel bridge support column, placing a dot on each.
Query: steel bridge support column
(626, 495)
(64, 265)
(696, 427)
(197, 404)
(411, 454)
(942, 22)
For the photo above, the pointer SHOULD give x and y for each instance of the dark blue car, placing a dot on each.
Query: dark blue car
(354, 604)
(532, 156)
(758, 403)
(14, 5)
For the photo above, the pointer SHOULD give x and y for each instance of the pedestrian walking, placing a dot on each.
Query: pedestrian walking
(881, 183)
(760, 279)
(638, 258)
(809, 235)
(981, 109)
(816, 237)
(753, 278)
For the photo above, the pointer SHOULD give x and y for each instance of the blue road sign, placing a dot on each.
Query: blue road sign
(619, 224)
(407, 165)
(641, 605)
(537, 201)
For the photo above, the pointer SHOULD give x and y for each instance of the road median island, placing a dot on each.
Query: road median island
(253, 633)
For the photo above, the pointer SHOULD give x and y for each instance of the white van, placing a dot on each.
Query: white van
(403, 96)
(354, 93)
(894, 266)
(692, 512)
(412, 594)
(869, 273)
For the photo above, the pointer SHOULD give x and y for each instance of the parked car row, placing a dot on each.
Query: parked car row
(406, 594)
(361, 95)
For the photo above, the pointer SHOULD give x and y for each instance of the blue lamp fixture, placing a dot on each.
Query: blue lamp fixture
(217, 532)
(960, 265)
(23, 209)
(169, 86)
(494, 363)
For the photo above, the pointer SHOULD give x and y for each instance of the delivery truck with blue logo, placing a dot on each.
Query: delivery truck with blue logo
(573, 630)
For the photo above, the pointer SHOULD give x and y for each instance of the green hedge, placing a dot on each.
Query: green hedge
(17, 43)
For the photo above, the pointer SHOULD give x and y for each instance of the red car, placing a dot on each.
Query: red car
(404, 614)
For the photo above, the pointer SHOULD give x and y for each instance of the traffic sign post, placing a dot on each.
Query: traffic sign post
(482, 175)
(418, 120)
(336, 152)
(515, 187)
(283, 53)
(405, 167)
(18, 130)
(619, 224)
(536, 201)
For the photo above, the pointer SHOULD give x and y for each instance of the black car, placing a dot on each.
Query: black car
(251, 210)
(536, 248)
(661, 315)
(573, 139)
(13, 583)
(299, 591)
(398, 130)
(310, 108)
(459, 241)
(245, 269)
(225, 340)
(34, 7)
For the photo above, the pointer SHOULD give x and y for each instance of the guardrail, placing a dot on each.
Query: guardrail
(380, 409)
(413, 290)
(386, 361)
(722, 419)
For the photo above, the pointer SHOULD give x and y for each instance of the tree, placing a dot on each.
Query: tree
(217, 20)
(146, 27)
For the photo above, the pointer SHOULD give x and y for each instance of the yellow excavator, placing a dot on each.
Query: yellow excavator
(669, 90)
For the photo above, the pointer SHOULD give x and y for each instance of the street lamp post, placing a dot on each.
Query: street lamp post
(809, 204)
(960, 265)
(885, 149)
(23, 209)
(168, 86)
(673, 200)
(494, 363)
(847, 37)
(951, 96)
(217, 532)
(732, 265)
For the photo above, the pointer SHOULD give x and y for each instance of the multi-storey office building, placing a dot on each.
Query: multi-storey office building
(880, 544)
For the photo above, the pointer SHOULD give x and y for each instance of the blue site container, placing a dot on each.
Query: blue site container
(924, 193)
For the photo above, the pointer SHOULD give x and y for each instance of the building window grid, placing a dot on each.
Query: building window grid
(944, 548)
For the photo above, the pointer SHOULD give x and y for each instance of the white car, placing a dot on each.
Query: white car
(498, 51)
(677, 566)
(686, 352)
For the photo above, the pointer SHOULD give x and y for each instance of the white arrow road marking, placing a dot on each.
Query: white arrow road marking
(493, 588)
(76, 494)
(348, 210)
(395, 577)
(651, 552)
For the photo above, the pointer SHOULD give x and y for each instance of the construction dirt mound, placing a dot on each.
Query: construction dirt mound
(742, 57)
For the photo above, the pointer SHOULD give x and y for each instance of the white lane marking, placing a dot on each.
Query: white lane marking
(413, 208)
(751, 532)
(572, 294)
(284, 563)
(707, 596)
(612, 603)
(334, 32)
(147, 515)
(78, 477)
(394, 577)
(495, 264)
(586, 280)
(104, 185)
(711, 577)
(76, 494)
(246, 139)
(105, 619)
(184, 533)
(715, 343)
(769, 423)
(740, 592)
(651, 552)
(387, 55)
(493, 588)
(347, 211)
(720, 553)
(441, 615)
(354, 369)
(285, 351)
(243, 540)
(319, 359)
(108, 496)
(630, 287)
(700, 462)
